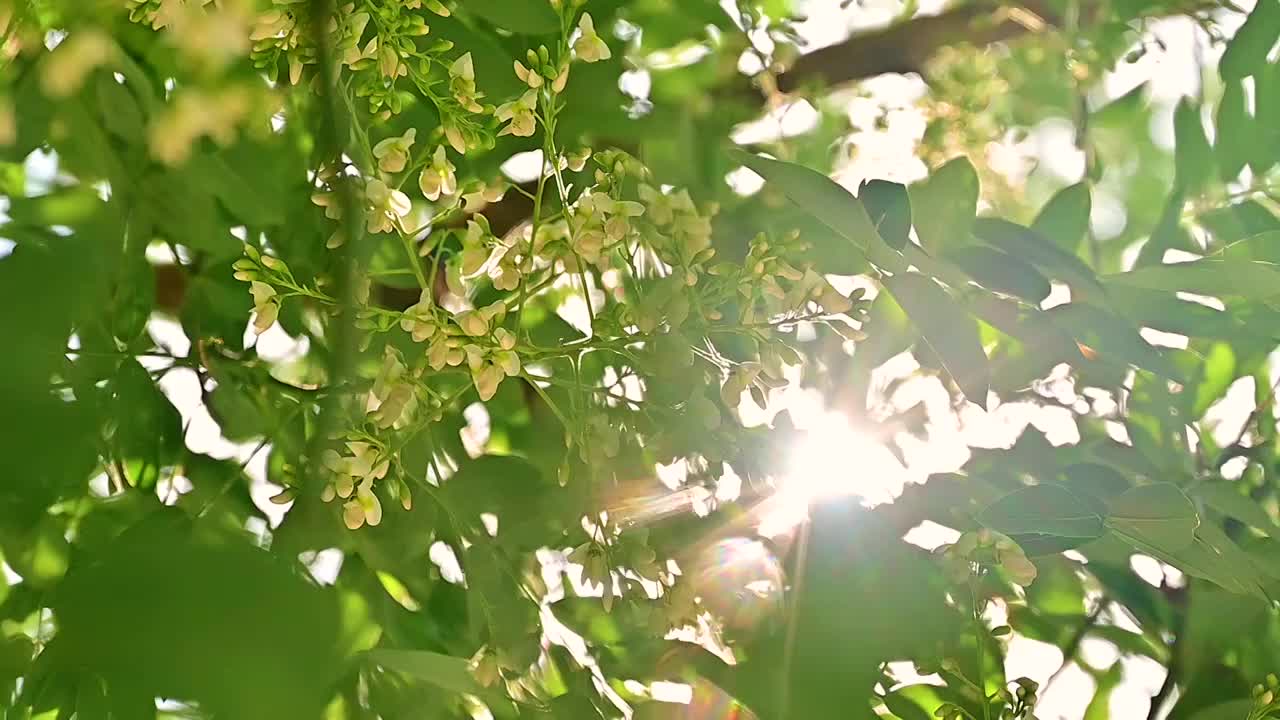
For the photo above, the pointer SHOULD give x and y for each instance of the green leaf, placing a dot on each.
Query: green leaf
(1027, 244)
(1230, 710)
(1266, 113)
(1220, 556)
(1226, 498)
(1157, 516)
(1193, 157)
(816, 193)
(889, 207)
(445, 671)
(945, 204)
(1046, 509)
(1216, 276)
(528, 17)
(240, 195)
(1217, 373)
(1099, 707)
(1065, 218)
(1234, 137)
(949, 331)
(1247, 50)
(225, 624)
(1001, 272)
(1111, 338)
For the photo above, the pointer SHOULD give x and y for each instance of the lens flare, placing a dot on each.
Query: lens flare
(740, 581)
(833, 459)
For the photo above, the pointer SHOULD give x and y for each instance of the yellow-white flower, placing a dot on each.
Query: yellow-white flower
(532, 78)
(445, 351)
(562, 79)
(393, 399)
(266, 306)
(418, 319)
(462, 83)
(520, 114)
(387, 205)
(504, 274)
(490, 367)
(456, 139)
(589, 46)
(73, 60)
(479, 198)
(658, 203)
(273, 24)
(393, 152)
(437, 178)
(390, 64)
(475, 247)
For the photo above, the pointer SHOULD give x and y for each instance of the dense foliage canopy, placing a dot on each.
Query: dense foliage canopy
(459, 358)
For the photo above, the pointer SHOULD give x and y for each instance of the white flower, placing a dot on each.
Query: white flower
(589, 46)
(393, 152)
(386, 206)
(462, 83)
(520, 114)
(437, 178)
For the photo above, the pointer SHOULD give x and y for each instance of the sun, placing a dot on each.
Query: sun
(832, 459)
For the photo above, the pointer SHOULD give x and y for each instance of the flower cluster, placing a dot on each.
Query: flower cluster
(987, 549)
(353, 478)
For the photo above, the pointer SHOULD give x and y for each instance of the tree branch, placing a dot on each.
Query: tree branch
(905, 47)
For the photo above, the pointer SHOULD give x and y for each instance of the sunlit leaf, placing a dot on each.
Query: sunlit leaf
(1046, 509)
(1158, 516)
(818, 194)
(889, 207)
(1065, 218)
(950, 331)
(945, 205)
(1221, 277)
(1226, 498)
(1193, 154)
(1247, 51)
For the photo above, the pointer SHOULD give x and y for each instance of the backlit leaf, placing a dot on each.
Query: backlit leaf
(945, 205)
(1157, 516)
(949, 331)
(1065, 218)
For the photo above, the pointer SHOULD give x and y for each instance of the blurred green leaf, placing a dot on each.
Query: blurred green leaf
(1226, 498)
(949, 331)
(1001, 272)
(1158, 516)
(946, 203)
(889, 207)
(1065, 218)
(1247, 50)
(1192, 152)
(818, 194)
(1044, 510)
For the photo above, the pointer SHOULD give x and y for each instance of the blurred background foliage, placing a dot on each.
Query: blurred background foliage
(1054, 314)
